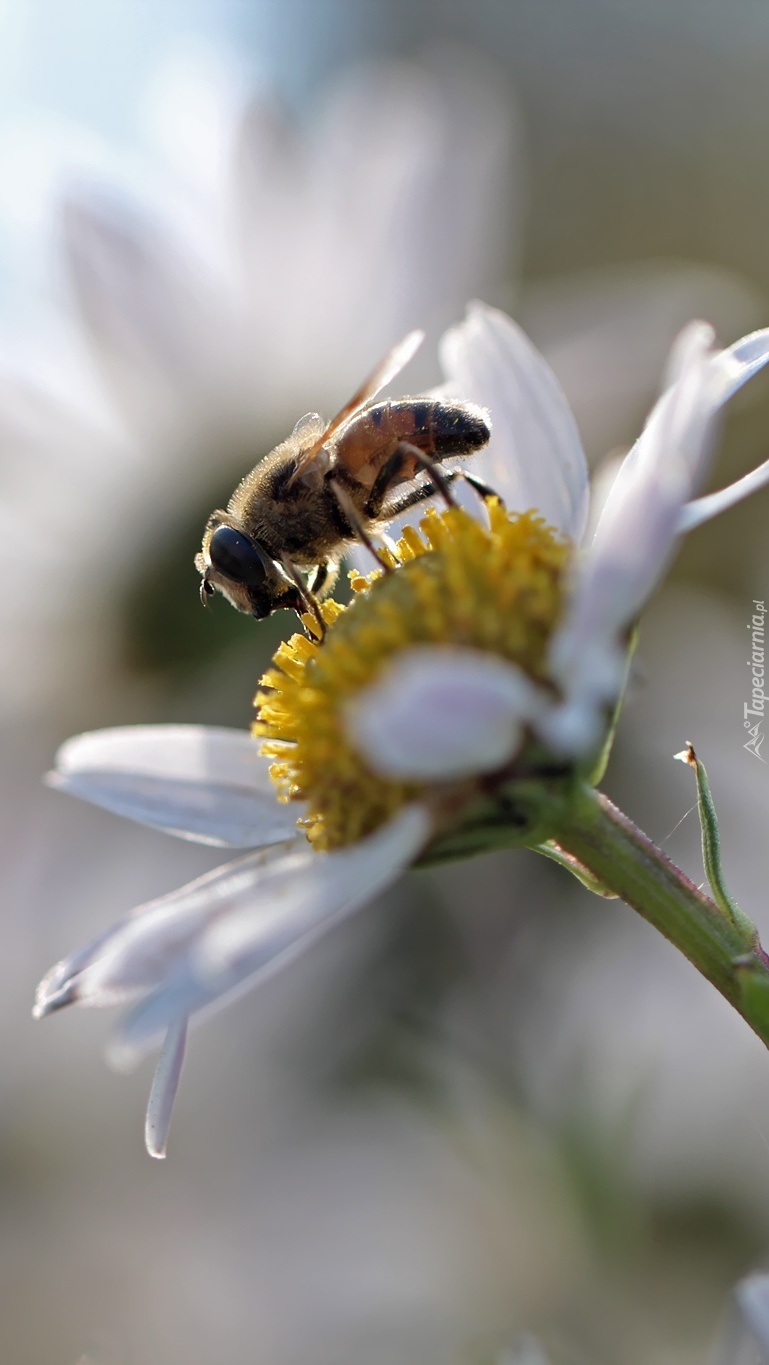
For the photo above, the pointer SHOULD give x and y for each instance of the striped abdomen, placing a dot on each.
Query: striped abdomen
(434, 425)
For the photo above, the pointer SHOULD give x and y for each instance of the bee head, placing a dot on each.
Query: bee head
(240, 568)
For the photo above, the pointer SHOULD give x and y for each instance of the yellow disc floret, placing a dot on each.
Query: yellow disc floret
(455, 583)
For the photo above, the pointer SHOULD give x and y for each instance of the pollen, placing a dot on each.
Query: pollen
(497, 589)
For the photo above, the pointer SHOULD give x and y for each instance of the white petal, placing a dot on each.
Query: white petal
(656, 473)
(577, 726)
(732, 368)
(726, 373)
(703, 509)
(286, 908)
(440, 713)
(637, 529)
(194, 752)
(752, 1295)
(740, 362)
(667, 464)
(695, 339)
(197, 782)
(139, 952)
(164, 1087)
(640, 526)
(535, 456)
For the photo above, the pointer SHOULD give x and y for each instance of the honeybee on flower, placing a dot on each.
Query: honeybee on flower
(460, 702)
(331, 483)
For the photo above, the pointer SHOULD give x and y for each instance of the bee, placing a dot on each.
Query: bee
(291, 519)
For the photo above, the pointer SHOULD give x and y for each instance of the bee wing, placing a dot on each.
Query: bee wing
(309, 427)
(384, 373)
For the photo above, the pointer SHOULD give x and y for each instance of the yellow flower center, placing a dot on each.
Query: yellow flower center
(455, 583)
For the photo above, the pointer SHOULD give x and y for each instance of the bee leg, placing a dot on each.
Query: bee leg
(480, 487)
(308, 599)
(408, 500)
(384, 480)
(318, 579)
(352, 515)
(426, 490)
(323, 578)
(441, 482)
(393, 467)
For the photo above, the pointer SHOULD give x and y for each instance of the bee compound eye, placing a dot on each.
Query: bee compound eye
(237, 557)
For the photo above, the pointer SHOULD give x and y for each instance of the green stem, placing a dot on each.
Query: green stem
(620, 856)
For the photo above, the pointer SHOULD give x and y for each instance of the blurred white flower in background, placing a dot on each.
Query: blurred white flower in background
(215, 312)
(243, 272)
(211, 292)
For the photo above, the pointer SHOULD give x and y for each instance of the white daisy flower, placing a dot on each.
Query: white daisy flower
(240, 266)
(490, 656)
